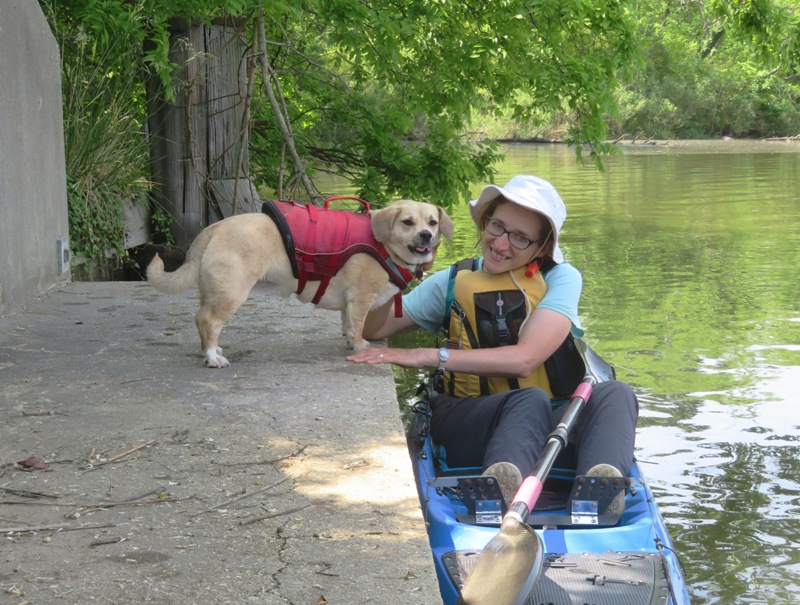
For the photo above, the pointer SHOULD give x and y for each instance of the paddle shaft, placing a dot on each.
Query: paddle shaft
(531, 488)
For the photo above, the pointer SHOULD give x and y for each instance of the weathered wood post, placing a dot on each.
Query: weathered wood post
(198, 139)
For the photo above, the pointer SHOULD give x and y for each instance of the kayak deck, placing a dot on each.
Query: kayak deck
(611, 578)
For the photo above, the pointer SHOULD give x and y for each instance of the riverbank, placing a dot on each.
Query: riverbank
(132, 474)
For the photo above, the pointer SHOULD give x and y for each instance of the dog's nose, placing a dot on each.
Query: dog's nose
(425, 235)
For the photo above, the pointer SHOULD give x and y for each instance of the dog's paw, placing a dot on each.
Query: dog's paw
(217, 362)
(359, 345)
(214, 359)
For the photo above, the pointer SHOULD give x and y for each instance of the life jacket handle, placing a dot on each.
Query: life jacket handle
(364, 203)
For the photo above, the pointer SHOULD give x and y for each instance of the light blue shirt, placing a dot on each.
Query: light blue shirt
(426, 304)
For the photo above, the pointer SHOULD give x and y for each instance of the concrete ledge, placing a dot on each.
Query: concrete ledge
(283, 479)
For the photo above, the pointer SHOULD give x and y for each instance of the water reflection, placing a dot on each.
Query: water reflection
(689, 253)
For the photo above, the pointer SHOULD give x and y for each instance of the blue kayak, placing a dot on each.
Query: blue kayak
(589, 559)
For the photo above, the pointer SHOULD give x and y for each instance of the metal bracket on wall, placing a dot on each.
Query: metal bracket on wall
(64, 254)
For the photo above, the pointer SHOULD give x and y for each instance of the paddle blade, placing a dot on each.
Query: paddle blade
(506, 569)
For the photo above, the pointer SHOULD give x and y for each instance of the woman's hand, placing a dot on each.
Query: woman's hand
(405, 358)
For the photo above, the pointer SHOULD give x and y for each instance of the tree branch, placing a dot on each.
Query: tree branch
(283, 123)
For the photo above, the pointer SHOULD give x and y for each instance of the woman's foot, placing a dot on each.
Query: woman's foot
(508, 476)
(617, 506)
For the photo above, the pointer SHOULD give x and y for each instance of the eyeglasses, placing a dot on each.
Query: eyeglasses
(517, 240)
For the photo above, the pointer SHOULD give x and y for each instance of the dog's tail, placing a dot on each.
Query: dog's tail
(185, 276)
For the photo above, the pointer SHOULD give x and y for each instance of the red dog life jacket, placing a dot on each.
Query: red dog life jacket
(319, 241)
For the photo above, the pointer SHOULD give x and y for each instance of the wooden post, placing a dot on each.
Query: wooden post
(228, 134)
(196, 138)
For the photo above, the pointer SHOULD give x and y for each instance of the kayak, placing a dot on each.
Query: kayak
(588, 558)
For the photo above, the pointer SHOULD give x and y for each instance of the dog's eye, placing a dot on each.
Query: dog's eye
(408, 222)
(433, 223)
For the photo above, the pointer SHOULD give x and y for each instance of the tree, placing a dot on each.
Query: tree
(421, 68)
(712, 69)
(387, 92)
(383, 91)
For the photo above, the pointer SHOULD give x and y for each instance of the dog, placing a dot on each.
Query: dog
(227, 259)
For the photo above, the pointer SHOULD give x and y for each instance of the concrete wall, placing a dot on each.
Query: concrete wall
(33, 203)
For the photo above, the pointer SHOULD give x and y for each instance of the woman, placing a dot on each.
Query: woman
(507, 318)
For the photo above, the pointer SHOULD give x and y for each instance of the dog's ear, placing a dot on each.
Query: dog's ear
(383, 221)
(446, 226)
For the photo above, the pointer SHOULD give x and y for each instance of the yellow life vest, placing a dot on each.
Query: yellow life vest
(488, 311)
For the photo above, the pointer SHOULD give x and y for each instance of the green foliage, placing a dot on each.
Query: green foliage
(105, 150)
(390, 94)
(385, 93)
(96, 223)
(161, 221)
(728, 69)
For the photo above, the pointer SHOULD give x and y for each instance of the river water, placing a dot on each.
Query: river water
(689, 253)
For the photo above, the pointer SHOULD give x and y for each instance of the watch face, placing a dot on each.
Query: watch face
(444, 354)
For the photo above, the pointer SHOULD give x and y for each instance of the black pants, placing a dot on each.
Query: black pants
(514, 426)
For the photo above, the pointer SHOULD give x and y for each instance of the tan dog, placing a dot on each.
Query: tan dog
(229, 257)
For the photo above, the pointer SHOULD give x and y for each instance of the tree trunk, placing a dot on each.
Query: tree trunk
(199, 139)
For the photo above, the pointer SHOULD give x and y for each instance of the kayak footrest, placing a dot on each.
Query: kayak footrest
(607, 578)
(482, 499)
(480, 494)
(591, 498)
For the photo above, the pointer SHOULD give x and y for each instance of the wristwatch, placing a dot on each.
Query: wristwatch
(444, 355)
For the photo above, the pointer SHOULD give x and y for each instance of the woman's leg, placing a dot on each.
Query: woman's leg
(506, 427)
(606, 428)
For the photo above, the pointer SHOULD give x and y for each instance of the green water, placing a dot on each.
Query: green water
(689, 253)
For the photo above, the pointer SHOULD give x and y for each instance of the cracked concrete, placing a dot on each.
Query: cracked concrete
(283, 479)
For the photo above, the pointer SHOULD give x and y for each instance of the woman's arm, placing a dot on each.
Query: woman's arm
(548, 326)
(540, 338)
(381, 323)
(423, 307)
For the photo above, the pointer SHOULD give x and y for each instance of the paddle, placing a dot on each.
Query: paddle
(511, 562)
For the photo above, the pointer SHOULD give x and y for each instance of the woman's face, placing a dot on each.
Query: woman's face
(499, 255)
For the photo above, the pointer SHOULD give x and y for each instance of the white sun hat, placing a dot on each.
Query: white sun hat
(529, 192)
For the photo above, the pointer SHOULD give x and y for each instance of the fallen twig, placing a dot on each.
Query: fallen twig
(37, 413)
(159, 491)
(129, 452)
(22, 493)
(325, 572)
(260, 462)
(34, 503)
(102, 542)
(99, 506)
(273, 515)
(119, 457)
(263, 489)
(36, 528)
(133, 502)
(105, 505)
